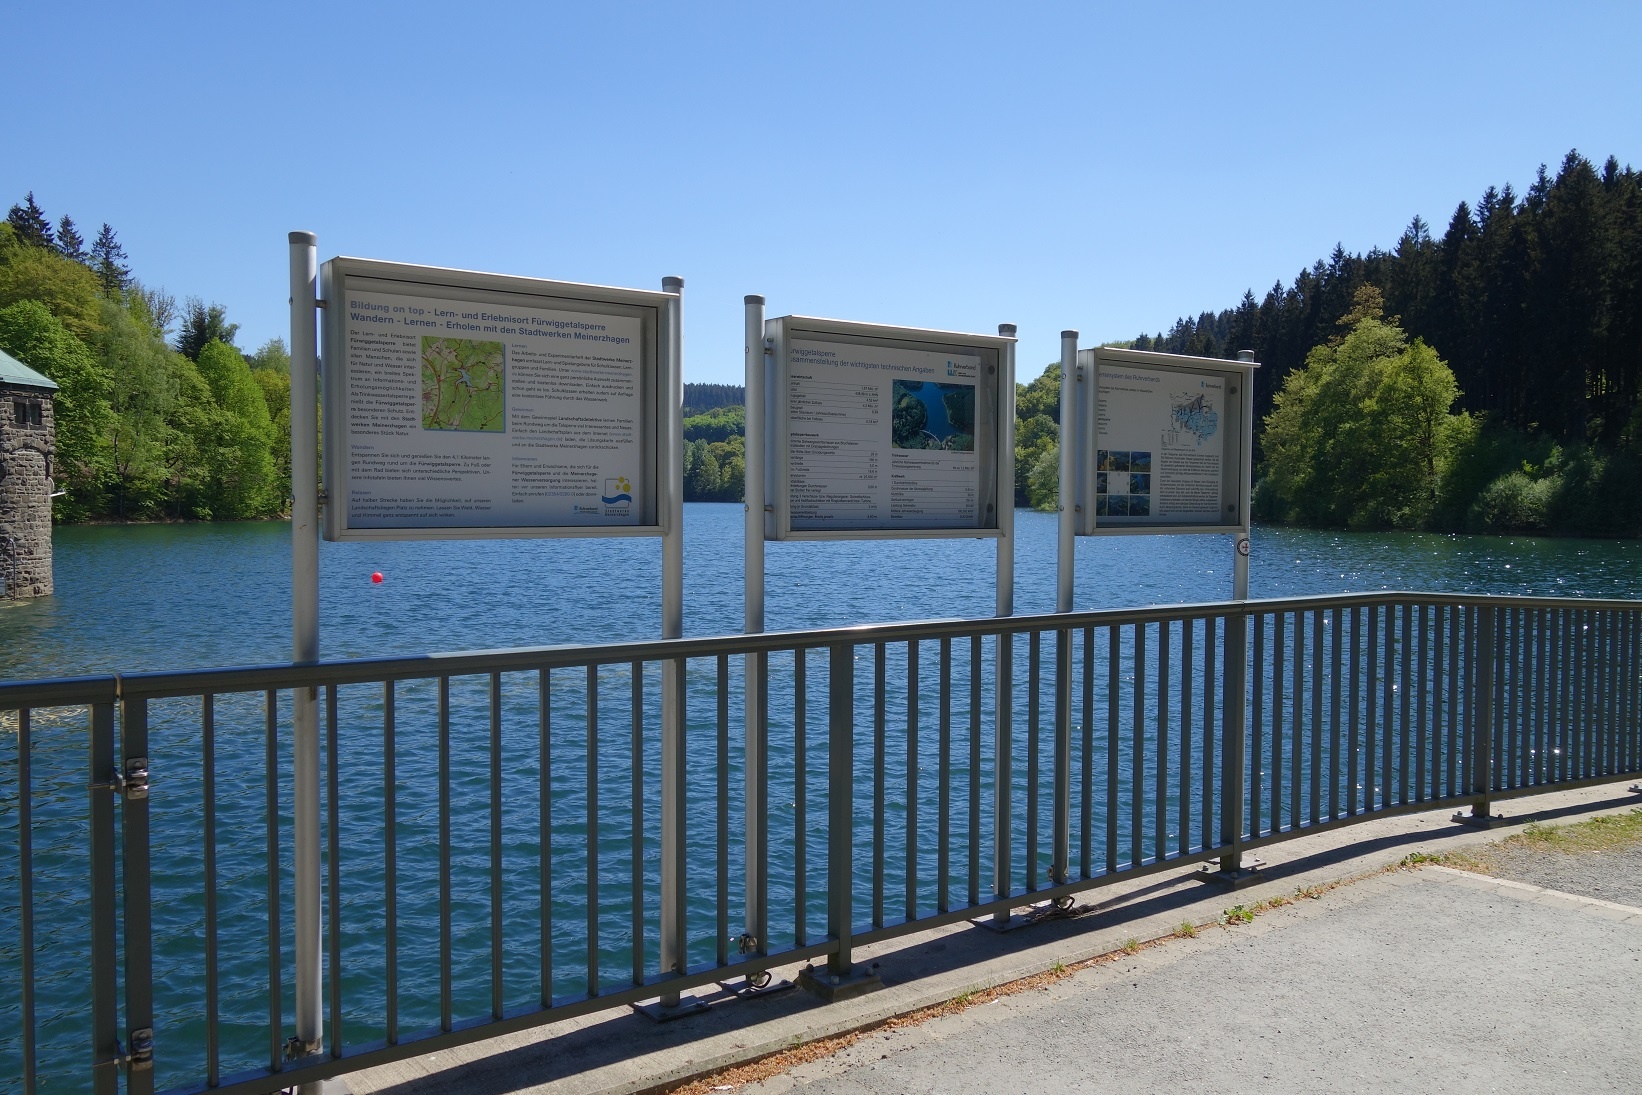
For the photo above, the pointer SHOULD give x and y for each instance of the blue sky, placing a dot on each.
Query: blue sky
(1099, 166)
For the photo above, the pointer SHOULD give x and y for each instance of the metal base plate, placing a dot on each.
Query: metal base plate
(687, 1005)
(744, 989)
(1246, 875)
(830, 987)
(1480, 821)
(1034, 914)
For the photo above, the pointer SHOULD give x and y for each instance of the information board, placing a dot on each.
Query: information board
(882, 432)
(1169, 449)
(461, 405)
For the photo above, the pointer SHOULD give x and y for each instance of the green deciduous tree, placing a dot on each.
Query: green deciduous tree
(1361, 435)
(30, 333)
(243, 479)
(66, 288)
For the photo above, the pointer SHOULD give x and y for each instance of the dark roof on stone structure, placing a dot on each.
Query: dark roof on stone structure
(14, 373)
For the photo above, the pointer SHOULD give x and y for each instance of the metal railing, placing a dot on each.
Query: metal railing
(493, 821)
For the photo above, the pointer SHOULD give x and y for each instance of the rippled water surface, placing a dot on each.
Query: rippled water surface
(185, 596)
(188, 596)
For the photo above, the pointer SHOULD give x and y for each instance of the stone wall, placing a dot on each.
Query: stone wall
(27, 454)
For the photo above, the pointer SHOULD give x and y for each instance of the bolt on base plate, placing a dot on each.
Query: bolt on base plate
(831, 986)
(1246, 875)
(1064, 908)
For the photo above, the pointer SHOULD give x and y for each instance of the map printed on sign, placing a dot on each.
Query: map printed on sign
(1158, 455)
(881, 437)
(463, 414)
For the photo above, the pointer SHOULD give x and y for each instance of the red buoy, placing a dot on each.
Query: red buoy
(377, 577)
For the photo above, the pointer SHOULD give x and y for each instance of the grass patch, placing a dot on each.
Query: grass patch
(1187, 930)
(1596, 835)
(1237, 914)
(1131, 945)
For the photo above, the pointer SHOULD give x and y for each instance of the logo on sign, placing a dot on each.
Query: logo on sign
(617, 496)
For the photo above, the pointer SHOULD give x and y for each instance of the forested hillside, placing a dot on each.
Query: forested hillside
(1487, 379)
(1535, 303)
(159, 415)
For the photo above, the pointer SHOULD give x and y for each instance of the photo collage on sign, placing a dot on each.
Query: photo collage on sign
(1123, 483)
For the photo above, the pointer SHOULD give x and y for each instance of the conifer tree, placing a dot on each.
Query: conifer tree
(30, 223)
(200, 325)
(69, 241)
(108, 259)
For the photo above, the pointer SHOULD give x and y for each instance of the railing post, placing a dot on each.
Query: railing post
(1233, 760)
(840, 802)
(1062, 852)
(105, 1007)
(841, 979)
(1003, 766)
(1481, 726)
(136, 905)
(756, 666)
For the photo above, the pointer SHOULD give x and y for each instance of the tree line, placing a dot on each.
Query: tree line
(1486, 380)
(159, 415)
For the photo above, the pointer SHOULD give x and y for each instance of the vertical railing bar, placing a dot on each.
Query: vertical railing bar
(1499, 757)
(1389, 684)
(1137, 783)
(1354, 693)
(25, 901)
(1183, 816)
(1160, 809)
(1403, 707)
(1257, 732)
(1422, 699)
(390, 865)
(592, 851)
(912, 781)
(1315, 758)
(1086, 838)
(276, 1044)
(136, 898)
(1297, 737)
(333, 812)
(758, 858)
(801, 886)
(1034, 688)
(1511, 653)
(1438, 704)
(1003, 773)
(544, 827)
(1541, 700)
(840, 804)
(1114, 652)
(1060, 822)
(1456, 698)
(974, 769)
(1564, 693)
(496, 993)
(1336, 639)
(1605, 689)
(446, 1003)
(943, 795)
(1228, 652)
(880, 660)
(722, 751)
(104, 958)
(1371, 693)
(208, 804)
(1279, 647)
(636, 872)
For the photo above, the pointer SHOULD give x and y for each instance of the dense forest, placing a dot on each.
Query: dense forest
(1489, 379)
(159, 415)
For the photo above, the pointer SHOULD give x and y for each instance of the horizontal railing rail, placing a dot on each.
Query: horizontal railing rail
(494, 822)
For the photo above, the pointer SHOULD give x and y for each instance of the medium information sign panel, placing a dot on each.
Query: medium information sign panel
(882, 431)
(461, 405)
(1169, 450)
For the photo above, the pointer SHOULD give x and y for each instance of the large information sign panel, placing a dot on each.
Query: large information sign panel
(461, 405)
(1168, 451)
(882, 432)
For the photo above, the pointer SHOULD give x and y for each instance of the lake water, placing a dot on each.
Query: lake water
(156, 597)
(189, 596)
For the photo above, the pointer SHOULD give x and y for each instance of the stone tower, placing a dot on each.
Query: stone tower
(28, 447)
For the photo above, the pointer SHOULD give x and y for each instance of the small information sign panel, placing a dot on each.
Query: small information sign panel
(882, 432)
(460, 405)
(1168, 450)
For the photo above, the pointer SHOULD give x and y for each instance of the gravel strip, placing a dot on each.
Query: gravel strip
(1613, 874)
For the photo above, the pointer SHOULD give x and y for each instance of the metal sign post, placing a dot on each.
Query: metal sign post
(756, 668)
(305, 643)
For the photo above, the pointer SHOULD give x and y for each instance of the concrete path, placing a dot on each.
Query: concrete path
(1422, 980)
(1419, 981)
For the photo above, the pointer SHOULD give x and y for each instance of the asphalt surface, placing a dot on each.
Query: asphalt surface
(1417, 981)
